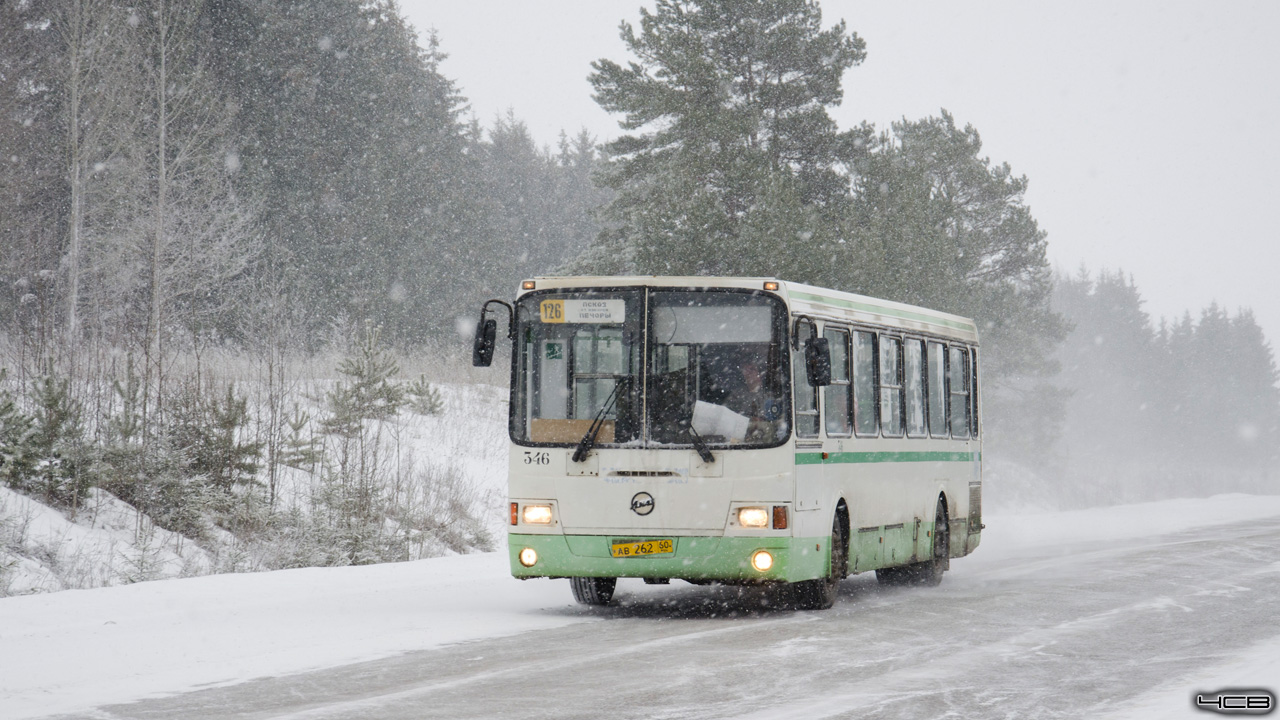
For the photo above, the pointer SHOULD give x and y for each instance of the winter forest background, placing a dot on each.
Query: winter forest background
(240, 238)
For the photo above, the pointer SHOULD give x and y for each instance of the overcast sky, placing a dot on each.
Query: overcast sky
(1147, 129)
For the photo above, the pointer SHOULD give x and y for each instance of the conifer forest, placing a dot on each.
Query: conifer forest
(243, 244)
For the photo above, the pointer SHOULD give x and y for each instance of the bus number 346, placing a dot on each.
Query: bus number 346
(537, 458)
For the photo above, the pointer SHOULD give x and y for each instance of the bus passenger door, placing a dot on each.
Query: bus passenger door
(808, 449)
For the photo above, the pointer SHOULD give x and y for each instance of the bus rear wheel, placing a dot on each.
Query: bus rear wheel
(820, 593)
(593, 591)
(930, 571)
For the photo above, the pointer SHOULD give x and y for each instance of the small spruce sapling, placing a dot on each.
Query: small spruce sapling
(425, 399)
(301, 449)
(62, 472)
(17, 432)
(368, 393)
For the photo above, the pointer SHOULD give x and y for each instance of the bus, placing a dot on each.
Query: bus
(737, 431)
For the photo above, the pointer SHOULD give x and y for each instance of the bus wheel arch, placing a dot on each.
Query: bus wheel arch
(947, 516)
(842, 522)
(929, 570)
(940, 553)
(820, 593)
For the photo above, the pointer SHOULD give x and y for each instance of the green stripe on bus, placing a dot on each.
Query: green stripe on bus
(815, 458)
(880, 309)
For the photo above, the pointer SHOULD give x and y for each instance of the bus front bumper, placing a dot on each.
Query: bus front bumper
(727, 559)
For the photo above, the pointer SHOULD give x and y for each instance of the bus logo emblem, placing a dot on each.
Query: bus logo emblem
(642, 503)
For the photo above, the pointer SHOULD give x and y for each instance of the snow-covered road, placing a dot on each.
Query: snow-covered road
(1118, 612)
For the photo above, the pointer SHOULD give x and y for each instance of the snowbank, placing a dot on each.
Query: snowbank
(106, 543)
(41, 550)
(1119, 522)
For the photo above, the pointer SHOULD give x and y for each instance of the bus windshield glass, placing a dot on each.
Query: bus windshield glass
(714, 371)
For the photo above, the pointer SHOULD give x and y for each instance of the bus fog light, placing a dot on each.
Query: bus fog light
(762, 560)
(537, 514)
(753, 517)
(528, 557)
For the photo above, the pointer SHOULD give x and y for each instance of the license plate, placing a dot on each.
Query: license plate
(638, 548)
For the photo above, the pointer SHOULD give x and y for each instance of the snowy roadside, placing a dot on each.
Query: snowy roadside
(109, 542)
(1007, 534)
(73, 650)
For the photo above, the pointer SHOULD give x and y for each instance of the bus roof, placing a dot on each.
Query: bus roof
(809, 300)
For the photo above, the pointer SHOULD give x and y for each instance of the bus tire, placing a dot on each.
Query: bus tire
(894, 576)
(930, 571)
(820, 593)
(592, 590)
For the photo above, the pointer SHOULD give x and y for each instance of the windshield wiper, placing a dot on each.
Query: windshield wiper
(588, 440)
(700, 445)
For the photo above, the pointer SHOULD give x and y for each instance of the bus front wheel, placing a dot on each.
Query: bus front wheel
(593, 591)
(820, 593)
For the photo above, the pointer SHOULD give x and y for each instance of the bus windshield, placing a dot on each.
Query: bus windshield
(715, 368)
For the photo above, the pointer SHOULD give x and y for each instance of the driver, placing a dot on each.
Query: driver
(752, 399)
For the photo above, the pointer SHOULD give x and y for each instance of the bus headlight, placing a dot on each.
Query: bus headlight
(528, 557)
(753, 517)
(537, 514)
(762, 560)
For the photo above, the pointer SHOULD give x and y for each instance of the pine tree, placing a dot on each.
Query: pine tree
(731, 101)
(935, 223)
(369, 392)
(938, 224)
(17, 441)
(212, 433)
(1256, 393)
(1111, 362)
(369, 193)
(63, 472)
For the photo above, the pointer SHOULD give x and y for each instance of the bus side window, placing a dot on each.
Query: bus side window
(890, 386)
(864, 383)
(958, 379)
(835, 397)
(937, 385)
(913, 384)
(807, 419)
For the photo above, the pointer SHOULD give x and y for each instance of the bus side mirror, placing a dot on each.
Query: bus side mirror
(485, 340)
(817, 361)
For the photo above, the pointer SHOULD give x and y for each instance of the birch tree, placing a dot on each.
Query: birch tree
(95, 54)
(193, 236)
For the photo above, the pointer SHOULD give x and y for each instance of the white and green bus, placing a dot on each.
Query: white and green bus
(736, 430)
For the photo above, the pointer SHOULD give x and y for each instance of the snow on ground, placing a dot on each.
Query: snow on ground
(78, 649)
(1255, 668)
(1119, 522)
(106, 542)
(41, 550)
